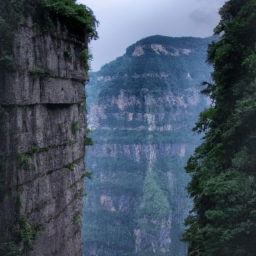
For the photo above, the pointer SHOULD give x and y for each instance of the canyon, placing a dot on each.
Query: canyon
(141, 111)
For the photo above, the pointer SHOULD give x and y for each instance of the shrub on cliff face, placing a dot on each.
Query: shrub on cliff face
(37, 72)
(155, 204)
(86, 58)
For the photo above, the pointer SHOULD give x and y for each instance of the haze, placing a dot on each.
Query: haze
(123, 22)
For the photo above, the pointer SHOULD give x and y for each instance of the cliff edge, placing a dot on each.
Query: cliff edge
(43, 128)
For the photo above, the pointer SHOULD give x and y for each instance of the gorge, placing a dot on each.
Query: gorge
(141, 111)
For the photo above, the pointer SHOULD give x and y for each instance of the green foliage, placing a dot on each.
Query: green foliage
(71, 165)
(87, 140)
(86, 58)
(45, 13)
(23, 159)
(76, 218)
(223, 185)
(6, 62)
(72, 142)
(28, 234)
(26, 231)
(37, 72)
(9, 17)
(75, 127)
(67, 54)
(9, 249)
(23, 233)
(155, 204)
(80, 15)
(89, 175)
(80, 193)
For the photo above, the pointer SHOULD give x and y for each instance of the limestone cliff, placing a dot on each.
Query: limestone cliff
(142, 107)
(42, 141)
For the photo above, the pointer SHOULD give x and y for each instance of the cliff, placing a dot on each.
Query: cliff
(42, 133)
(141, 109)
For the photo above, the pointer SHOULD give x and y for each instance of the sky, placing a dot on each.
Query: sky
(124, 22)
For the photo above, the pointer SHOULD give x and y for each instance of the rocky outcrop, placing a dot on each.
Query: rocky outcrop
(142, 107)
(42, 143)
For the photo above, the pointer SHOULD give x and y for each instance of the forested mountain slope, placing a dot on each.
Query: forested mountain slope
(223, 183)
(141, 108)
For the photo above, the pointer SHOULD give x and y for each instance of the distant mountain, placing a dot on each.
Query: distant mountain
(141, 109)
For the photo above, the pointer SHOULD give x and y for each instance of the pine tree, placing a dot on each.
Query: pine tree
(223, 167)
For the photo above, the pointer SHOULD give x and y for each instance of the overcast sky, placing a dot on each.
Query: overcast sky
(123, 22)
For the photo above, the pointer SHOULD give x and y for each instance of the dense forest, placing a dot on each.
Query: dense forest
(223, 185)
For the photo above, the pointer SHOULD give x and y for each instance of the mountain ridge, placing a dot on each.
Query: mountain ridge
(141, 110)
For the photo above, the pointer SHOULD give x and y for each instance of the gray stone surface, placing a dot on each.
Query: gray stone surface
(47, 52)
(43, 140)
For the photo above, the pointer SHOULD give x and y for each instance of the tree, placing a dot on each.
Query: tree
(155, 204)
(223, 185)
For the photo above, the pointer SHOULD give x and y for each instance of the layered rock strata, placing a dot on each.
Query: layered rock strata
(142, 108)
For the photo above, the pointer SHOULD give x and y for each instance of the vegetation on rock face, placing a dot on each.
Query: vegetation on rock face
(155, 204)
(17, 237)
(223, 184)
(86, 58)
(45, 14)
(37, 72)
(88, 140)
(141, 110)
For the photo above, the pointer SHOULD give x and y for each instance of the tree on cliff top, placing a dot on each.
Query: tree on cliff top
(44, 13)
(223, 185)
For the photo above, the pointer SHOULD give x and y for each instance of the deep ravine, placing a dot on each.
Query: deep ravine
(141, 109)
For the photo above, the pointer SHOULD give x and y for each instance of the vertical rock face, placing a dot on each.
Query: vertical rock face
(42, 146)
(142, 107)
